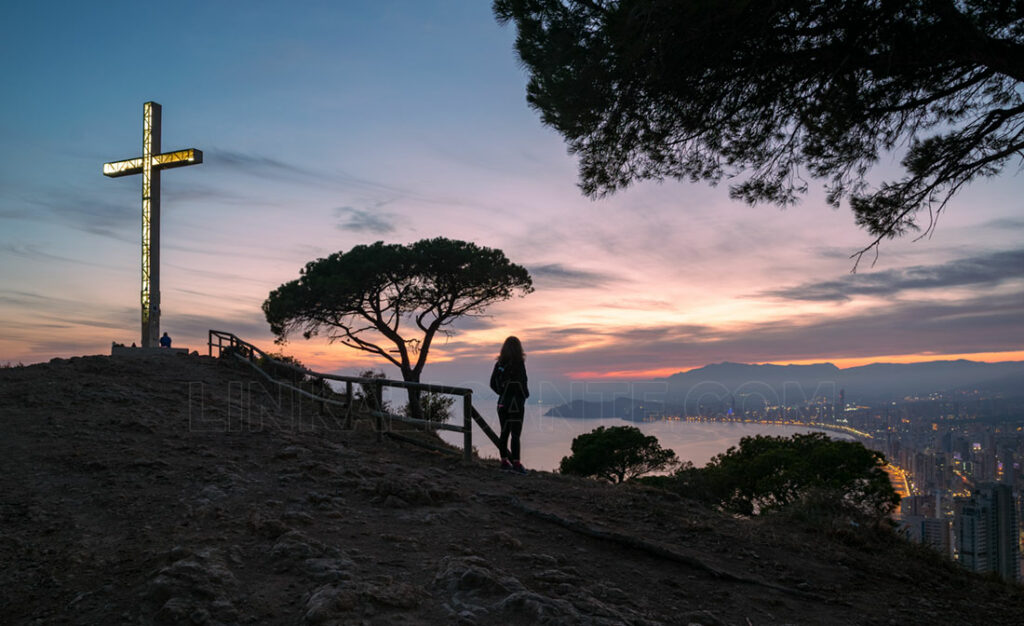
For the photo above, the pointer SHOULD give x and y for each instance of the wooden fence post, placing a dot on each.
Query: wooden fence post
(348, 412)
(378, 399)
(467, 425)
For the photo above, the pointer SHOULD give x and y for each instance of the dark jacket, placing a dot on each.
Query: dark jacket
(508, 380)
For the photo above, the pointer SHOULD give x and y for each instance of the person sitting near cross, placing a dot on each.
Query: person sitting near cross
(165, 341)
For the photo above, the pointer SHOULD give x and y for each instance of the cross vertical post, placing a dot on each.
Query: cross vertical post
(150, 295)
(149, 165)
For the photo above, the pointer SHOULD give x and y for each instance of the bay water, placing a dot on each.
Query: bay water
(545, 440)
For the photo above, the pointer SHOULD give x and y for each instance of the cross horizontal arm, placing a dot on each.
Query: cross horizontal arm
(167, 160)
(122, 168)
(180, 158)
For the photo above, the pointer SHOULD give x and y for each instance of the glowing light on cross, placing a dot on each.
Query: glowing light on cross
(149, 165)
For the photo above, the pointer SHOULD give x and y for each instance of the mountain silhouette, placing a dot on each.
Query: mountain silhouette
(721, 387)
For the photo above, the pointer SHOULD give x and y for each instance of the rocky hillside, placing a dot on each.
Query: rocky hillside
(150, 491)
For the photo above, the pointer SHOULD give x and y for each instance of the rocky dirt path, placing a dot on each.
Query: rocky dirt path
(144, 491)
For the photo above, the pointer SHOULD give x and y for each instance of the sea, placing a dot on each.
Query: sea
(545, 440)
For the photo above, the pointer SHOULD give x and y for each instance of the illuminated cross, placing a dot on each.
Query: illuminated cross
(149, 165)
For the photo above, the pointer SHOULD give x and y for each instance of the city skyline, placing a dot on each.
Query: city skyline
(334, 126)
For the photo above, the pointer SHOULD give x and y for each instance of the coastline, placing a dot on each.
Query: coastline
(546, 439)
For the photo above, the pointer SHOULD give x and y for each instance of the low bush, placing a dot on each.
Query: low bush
(617, 454)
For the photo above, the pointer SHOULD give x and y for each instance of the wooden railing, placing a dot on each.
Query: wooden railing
(247, 352)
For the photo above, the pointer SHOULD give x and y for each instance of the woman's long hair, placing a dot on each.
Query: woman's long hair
(512, 351)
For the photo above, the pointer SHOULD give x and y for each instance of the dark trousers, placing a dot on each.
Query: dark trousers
(511, 421)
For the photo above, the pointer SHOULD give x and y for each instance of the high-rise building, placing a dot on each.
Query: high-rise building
(919, 506)
(970, 531)
(935, 535)
(930, 531)
(987, 531)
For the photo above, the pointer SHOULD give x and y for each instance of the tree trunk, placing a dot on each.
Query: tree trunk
(415, 406)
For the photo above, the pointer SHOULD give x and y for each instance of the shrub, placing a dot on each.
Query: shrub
(437, 407)
(617, 454)
(811, 475)
(365, 393)
(229, 352)
(278, 368)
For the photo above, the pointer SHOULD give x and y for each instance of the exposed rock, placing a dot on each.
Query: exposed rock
(329, 569)
(470, 581)
(538, 560)
(476, 591)
(385, 591)
(538, 609)
(328, 602)
(402, 492)
(394, 502)
(557, 576)
(195, 588)
(331, 602)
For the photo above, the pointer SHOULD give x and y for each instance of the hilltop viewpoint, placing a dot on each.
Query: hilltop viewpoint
(172, 489)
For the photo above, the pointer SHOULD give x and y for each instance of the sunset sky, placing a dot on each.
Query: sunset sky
(329, 124)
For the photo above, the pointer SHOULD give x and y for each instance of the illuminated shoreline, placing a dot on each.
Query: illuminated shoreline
(722, 420)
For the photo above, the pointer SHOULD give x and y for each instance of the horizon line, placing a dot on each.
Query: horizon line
(843, 363)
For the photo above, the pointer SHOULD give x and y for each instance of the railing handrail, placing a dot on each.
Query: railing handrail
(470, 414)
(236, 340)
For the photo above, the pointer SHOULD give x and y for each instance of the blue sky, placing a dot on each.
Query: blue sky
(326, 125)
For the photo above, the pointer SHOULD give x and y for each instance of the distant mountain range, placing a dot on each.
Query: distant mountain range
(877, 381)
(724, 385)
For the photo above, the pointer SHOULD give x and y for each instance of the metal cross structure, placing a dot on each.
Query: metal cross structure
(149, 165)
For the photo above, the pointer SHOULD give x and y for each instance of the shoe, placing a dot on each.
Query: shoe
(518, 468)
(506, 466)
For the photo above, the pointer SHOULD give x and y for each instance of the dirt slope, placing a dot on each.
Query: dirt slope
(150, 491)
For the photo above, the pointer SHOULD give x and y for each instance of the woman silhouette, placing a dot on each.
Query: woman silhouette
(508, 380)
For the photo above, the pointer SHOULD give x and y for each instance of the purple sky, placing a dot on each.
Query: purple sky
(328, 126)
